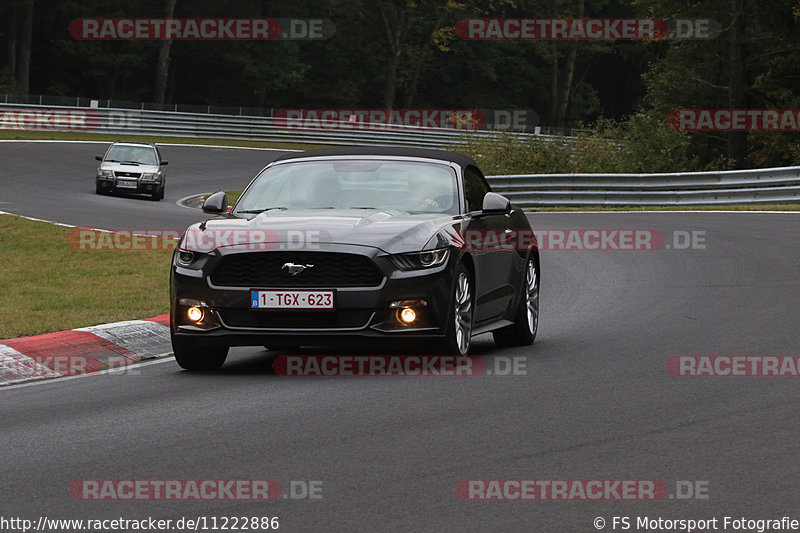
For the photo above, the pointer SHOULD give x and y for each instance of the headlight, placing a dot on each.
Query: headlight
(188, 259)
(148, 176)
(105, 174)
(420, 260)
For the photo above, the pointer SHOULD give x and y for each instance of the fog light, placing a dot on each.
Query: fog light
(194, 314)
(407, 315)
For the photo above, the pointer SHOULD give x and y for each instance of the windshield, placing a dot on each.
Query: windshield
(354, 184)
(143, 155)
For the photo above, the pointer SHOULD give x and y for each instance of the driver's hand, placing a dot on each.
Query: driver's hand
(430, 202)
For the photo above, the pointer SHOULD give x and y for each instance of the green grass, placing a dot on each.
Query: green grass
(47, 285)
(233, 196)
(110, 137)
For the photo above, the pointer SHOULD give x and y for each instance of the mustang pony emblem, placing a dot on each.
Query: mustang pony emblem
(294, 269)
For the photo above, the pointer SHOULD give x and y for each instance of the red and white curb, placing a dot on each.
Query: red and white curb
(84, 350)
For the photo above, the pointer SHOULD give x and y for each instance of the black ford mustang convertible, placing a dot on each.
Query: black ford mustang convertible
(355, 244)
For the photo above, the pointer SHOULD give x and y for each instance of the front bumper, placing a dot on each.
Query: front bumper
(128, 186)
(361, 313)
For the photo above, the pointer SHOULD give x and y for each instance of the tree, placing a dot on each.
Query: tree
(11, 38)
(162, 63)
(22, 62)
(410, 28)
(746, 66)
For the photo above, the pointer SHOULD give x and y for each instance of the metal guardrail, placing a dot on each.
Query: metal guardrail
(120, 121)
(75, 101)
(745, 186)
(770, 185)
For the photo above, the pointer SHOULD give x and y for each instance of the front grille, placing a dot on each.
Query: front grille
(127, 174)
(248, 318)
(265, 270)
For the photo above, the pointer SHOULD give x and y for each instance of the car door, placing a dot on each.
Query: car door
(493, 263)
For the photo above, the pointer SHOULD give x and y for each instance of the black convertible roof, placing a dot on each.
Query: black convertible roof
(443, 155)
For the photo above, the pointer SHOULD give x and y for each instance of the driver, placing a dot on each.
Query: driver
(427, 192)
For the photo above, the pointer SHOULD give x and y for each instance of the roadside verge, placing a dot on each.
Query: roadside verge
(83, 351)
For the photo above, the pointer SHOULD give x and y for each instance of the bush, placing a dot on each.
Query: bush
(643, 144)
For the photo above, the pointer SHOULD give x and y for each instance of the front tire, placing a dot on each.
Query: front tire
(526, 320)
(191, 355)
(459, 321)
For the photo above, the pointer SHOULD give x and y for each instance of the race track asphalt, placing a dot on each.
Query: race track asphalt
(595, 400)
(55, 181)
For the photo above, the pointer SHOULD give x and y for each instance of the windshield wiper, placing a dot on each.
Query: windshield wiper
(363, 207)
(262, 210)
(123, 162)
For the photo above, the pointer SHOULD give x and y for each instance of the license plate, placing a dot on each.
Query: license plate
(291, 299)
(127, 184)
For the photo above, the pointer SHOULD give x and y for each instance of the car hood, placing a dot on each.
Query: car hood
(390, 231)
(119, 167)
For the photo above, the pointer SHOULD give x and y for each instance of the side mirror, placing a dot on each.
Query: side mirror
(165, 162)
(216, 204)
(98, 157)
(494, 204)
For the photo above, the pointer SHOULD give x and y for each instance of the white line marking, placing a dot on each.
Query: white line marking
(85, 228)
(162, 358)
(185, 198)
